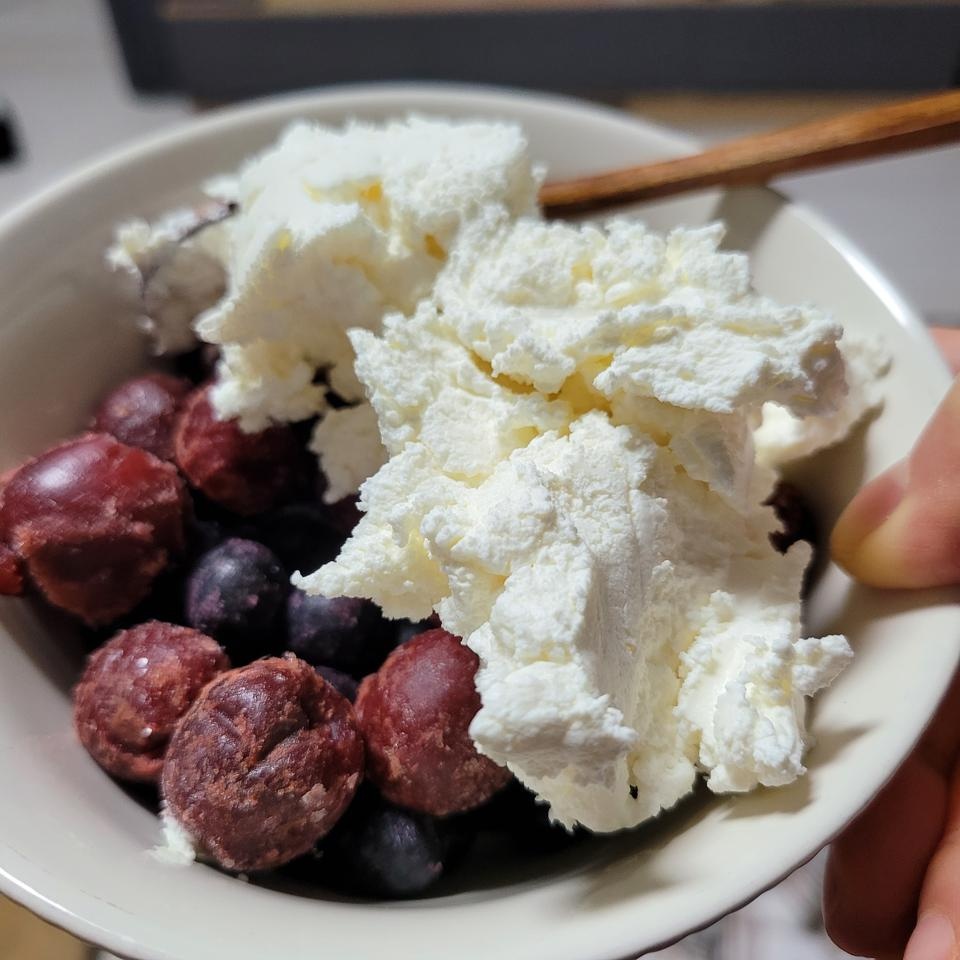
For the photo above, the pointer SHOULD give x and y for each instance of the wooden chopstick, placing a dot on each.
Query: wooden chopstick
(893, 128)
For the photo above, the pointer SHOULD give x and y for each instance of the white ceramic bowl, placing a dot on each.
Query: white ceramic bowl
(73, 844)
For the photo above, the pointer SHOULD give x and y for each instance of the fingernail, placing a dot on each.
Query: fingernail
(932, 939)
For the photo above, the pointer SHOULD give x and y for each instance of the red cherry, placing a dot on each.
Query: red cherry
(134, 690)
(244, 472)
(141, 412)
(94, 521)
(263, 764)
(11, 579)
(414, 713)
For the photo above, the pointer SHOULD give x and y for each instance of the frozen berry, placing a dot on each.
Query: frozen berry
(301, 535)
(245, 472)
(263, 764)
(380, 850)
(342, 682)
(796, 518)
(141, 412)
(93, 522)
(11, 579)
(235, 593)
(414, 714)
(341, 632)
(134, 690)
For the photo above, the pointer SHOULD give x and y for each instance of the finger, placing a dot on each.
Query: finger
(940, 743)
(948, 340)
(875, 868)
(938, 915)
(857, 919)
(903, 529)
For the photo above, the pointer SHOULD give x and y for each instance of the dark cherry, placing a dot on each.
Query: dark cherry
(263, 764)
(414, 713)
(93, 522)
(141, 412)
(244, 472)
(11, 577)
(134, 690)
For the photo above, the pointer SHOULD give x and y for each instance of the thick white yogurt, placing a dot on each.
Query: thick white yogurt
(337, 227)
(573, 486)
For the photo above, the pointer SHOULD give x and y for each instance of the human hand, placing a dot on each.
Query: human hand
(893, 876)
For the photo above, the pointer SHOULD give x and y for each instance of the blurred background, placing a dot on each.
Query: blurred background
(79, 76)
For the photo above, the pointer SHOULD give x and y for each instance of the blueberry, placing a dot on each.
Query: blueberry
(340, 632)
(342, 682)
(235, 594)
(382, 850)
(301, 535)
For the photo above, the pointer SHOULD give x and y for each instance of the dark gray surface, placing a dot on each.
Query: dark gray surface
(749, 46)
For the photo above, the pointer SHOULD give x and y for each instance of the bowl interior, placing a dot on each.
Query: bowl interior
(73, 846)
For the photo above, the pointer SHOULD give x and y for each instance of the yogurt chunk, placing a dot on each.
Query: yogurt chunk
(337, 227)
(573, 486)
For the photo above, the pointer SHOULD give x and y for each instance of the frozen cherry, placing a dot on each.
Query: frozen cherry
(263, 764)
(134, 690)
(141, 412)
(235, 593)
(93, 521)
(796, 518)
(342, 682)
(383, 851)
(245, 472)
(341, 632)
(11, 579)
(414, 714)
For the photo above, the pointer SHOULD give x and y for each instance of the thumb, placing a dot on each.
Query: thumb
(903, 529)
(938, 915)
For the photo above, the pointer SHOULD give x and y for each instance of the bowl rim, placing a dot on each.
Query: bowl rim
(461, 96)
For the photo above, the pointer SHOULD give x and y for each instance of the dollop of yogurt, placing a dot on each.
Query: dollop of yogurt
(335, 228)
(573, 485)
